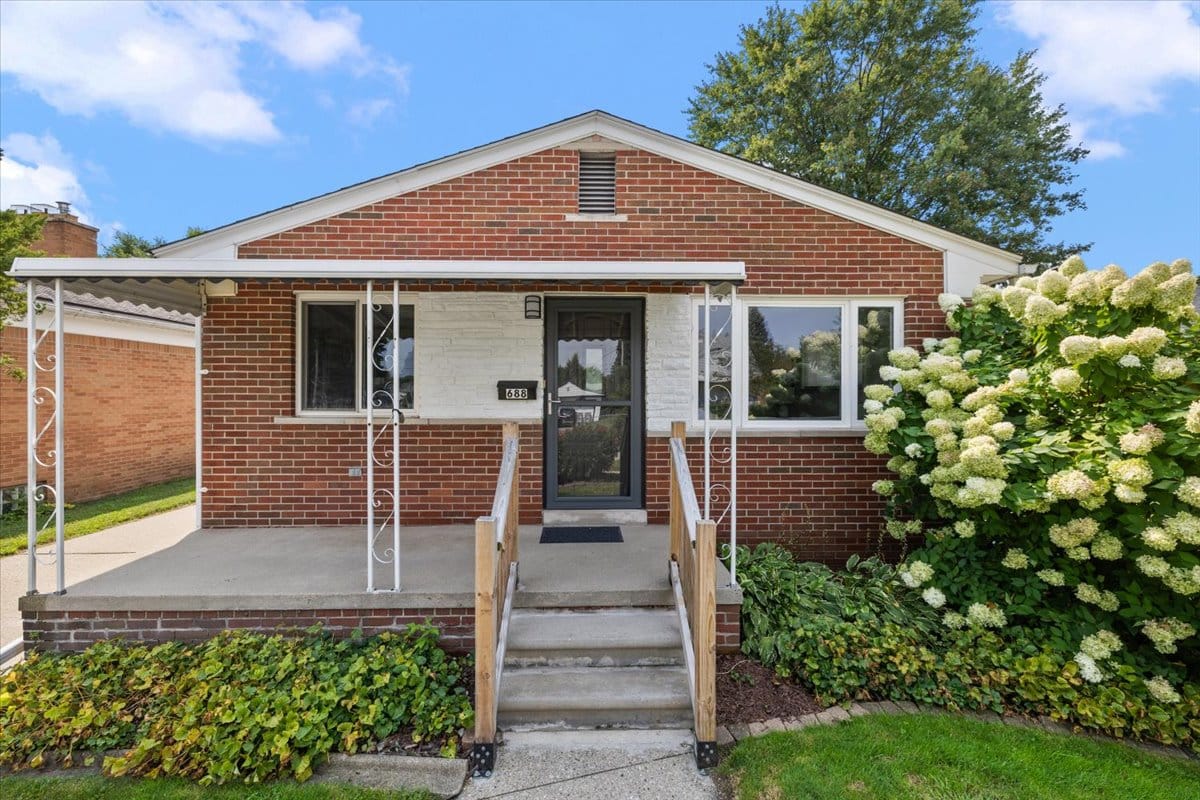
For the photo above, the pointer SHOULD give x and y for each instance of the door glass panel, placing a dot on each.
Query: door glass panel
(593, 357)
(593, 450)
(795, 362)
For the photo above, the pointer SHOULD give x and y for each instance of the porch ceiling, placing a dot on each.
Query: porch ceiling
(294, 568)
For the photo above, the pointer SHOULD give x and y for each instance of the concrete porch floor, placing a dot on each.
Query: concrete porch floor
(297, 568)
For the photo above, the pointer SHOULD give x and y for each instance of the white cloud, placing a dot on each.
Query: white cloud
(36, 170)
(1109, 60)
(365, 113)
(1099, 148)
(176, 67)
(1115, 55)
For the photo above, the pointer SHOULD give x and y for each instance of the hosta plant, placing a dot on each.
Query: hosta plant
(1047, 464)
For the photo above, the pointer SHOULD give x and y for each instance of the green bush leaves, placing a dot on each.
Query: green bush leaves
(242, 706)
(863, 634)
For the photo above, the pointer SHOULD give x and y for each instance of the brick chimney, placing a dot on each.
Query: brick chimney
(63, 235)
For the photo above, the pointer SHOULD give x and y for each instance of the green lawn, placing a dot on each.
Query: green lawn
(945, 757)
(95, 788)
(96, 515)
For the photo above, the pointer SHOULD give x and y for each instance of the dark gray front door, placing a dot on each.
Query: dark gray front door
(594, 403)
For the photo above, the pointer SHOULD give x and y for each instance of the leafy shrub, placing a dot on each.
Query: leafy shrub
(241, 706)
(864, 633)
(784, 599)
(1050, 459)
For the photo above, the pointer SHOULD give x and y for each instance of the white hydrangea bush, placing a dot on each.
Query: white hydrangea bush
(1047, 466)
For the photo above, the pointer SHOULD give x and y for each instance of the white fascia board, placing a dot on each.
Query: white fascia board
(332, 269)
(224, 241)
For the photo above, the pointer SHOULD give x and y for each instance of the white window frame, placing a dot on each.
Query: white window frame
(849, 419)
(359, 299)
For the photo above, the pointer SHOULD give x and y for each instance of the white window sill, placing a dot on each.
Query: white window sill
(409, 420)
(722, 430)
(339, 419)
(596, 217)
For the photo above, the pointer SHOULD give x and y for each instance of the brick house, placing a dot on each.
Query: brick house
(638, 309)
(134, 367)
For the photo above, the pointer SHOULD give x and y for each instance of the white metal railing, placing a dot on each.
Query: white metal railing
(718, 352)
(38, 456)
(692, 569)
(496, 571)
(380, 453)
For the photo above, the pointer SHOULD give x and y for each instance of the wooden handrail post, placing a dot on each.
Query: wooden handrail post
(511, 430)
(483, 751)
(675, 520)
(704, 635)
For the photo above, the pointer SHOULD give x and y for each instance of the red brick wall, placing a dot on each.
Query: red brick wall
(65, 631)
(65, 235)
(811, 491)
(129, 414)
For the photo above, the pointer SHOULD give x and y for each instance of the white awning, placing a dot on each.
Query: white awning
(334, 269)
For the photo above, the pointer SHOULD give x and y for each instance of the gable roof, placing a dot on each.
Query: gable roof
(222, 242)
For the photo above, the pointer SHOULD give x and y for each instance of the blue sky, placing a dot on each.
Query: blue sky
(154, 117)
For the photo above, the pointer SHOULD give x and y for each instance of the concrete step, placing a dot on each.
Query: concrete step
(586, 697)
(603, 638)
(594, 516)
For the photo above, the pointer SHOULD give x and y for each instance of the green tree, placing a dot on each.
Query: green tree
(17, 233)
(889, 101)
(130, 245)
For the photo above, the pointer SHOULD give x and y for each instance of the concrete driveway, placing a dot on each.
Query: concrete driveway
(88, 556)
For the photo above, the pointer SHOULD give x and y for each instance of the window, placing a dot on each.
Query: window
(794, 362)
(334, 356)
(799, 363)
(597, 183)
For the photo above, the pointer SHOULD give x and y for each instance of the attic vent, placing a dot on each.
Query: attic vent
(597, 183)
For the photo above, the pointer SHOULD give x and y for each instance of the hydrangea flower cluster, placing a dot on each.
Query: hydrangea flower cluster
(1015, 558)
(1002, 440)
(1162, 690)
(986, 616)
(1166, 632)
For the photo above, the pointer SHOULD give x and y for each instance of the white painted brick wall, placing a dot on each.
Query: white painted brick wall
(465, 342)
(669, 343)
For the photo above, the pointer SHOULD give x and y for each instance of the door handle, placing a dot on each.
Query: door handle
(551, 404)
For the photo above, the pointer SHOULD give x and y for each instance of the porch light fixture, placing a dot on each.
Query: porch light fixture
(533, 306)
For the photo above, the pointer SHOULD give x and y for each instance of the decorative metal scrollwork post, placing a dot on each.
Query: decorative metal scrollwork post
(720, 393)
(40, 456)
(383, 357)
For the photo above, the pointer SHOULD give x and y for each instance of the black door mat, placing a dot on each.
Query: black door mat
(580, 534)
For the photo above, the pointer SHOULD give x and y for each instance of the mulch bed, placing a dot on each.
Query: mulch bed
(747, 692)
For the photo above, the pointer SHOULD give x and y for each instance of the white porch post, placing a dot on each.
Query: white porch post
(369, 394)
(734, 399)
(395, 435)
(725, 356)
(199, 445)
(388, 398)
(36, 491)
(31, 436)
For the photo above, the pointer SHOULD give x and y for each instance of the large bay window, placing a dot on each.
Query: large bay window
(797, 363)
(333, 355)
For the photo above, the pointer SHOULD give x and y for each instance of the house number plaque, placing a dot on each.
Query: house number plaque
(517, 390)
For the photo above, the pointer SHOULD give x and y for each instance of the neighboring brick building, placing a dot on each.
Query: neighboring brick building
(130, 401)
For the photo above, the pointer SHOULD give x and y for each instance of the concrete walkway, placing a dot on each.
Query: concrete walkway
(89, 556)
(594, 765)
